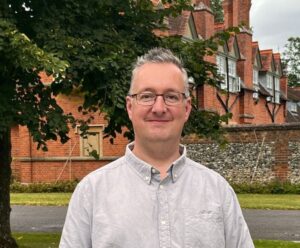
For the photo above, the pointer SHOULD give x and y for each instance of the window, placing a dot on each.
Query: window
(292, 107)
(234, 81)
(277, 87)
(232, 68)
(221, 63)
(255, 77)
(92, 142)
(277, 97)
(269, 81)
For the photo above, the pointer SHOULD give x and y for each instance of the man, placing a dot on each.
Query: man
(155, 196)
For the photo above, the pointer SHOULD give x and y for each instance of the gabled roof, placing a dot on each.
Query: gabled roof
(177, 25)
(256, 54)
(183, 25)
(266, 59)
(278, 64)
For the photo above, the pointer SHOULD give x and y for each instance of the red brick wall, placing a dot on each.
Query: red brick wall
(61, 161)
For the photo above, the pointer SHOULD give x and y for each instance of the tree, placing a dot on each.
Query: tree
(88, 45)
(216, 6)
(291, 60)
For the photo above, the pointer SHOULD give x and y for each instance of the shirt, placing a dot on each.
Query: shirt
(125, 204)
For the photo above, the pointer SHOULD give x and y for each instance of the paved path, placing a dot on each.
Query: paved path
(263, 224)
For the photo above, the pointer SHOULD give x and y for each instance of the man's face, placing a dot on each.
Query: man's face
(158, 122)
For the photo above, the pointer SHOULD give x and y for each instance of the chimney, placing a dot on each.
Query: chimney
(204, 18)
(236, 12)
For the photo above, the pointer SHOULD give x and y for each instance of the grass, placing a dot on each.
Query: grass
(41, 199)
(254, 201)
(275, 244)
(268, 201)
(51, 240)
(37, 240)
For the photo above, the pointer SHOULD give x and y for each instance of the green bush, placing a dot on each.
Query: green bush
(63, 187)
(273, 187)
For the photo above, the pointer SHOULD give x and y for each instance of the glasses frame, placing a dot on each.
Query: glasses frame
(156, 95)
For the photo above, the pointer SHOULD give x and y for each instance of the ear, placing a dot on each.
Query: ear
(188, 108)
(129, 106)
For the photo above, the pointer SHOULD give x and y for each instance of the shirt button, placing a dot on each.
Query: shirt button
(161, 186)
(163, 222)
(153, 170)
(175, 176)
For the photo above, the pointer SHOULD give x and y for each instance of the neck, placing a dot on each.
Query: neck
(160, 155)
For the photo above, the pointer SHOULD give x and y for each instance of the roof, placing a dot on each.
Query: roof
(177, 25)
(255, 49)
(293, 116)
(263, 91)
(266, 59)
(293, 94)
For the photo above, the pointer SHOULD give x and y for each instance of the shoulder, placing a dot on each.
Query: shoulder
(102, 175)
(204, 175)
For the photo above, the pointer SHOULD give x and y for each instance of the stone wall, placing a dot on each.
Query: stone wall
(253, 153)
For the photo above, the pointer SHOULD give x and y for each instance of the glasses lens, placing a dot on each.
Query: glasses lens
(172, 97)
(146, 98)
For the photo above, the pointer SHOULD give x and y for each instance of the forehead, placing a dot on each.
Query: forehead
(158, 77)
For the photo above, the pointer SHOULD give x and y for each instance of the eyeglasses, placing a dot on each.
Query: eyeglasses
(149, 98)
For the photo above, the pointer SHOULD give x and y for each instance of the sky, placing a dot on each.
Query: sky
(274, 21)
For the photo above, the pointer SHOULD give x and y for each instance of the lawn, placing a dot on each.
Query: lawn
(37, 240)
(40, 199)
(254, 201)
(275, 201)
(51, 240)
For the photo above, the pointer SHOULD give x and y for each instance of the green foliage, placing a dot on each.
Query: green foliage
(24, 99)
(62, 187)
(216, 6)
(273, 187)
(291, 60)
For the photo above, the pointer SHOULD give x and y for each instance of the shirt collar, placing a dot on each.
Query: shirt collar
(146, 171)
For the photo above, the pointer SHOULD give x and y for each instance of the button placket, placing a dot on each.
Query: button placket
(163, 222)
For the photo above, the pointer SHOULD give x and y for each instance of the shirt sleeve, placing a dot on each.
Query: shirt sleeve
(77, 228)
(237, 234)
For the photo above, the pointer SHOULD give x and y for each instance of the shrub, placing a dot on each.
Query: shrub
(63, 187)
(273, 187)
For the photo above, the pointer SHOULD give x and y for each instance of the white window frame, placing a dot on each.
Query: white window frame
(293, 107)
(255, 77)
(234, 80)
(92, 141)
(269, 81)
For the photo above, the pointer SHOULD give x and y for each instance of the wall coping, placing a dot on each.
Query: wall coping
(262, 127)
(63, 159)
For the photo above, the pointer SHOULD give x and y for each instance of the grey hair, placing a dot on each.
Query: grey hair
(161, 55)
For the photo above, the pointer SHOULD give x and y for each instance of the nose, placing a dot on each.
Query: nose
(159, 105)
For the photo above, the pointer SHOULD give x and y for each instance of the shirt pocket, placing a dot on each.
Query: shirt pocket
(204, 228)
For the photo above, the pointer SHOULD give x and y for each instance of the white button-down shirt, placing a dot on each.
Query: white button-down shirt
(126, 205)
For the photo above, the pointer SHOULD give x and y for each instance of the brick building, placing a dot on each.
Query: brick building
(253, 79)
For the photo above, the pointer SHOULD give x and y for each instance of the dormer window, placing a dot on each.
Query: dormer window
(234, 82)
(255, 77)
(292, 107)
(269, 81)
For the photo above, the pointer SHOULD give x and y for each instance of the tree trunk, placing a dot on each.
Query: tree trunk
(6, 239)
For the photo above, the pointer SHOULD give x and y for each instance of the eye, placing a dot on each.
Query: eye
(146, 96)
(172, 97)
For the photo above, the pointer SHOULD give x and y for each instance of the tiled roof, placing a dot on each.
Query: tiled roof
(177, 25)
(255, 49)
(293, 94)
(293, 117)
(266, 59)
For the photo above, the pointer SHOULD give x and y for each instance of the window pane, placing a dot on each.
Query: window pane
(92, 142)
